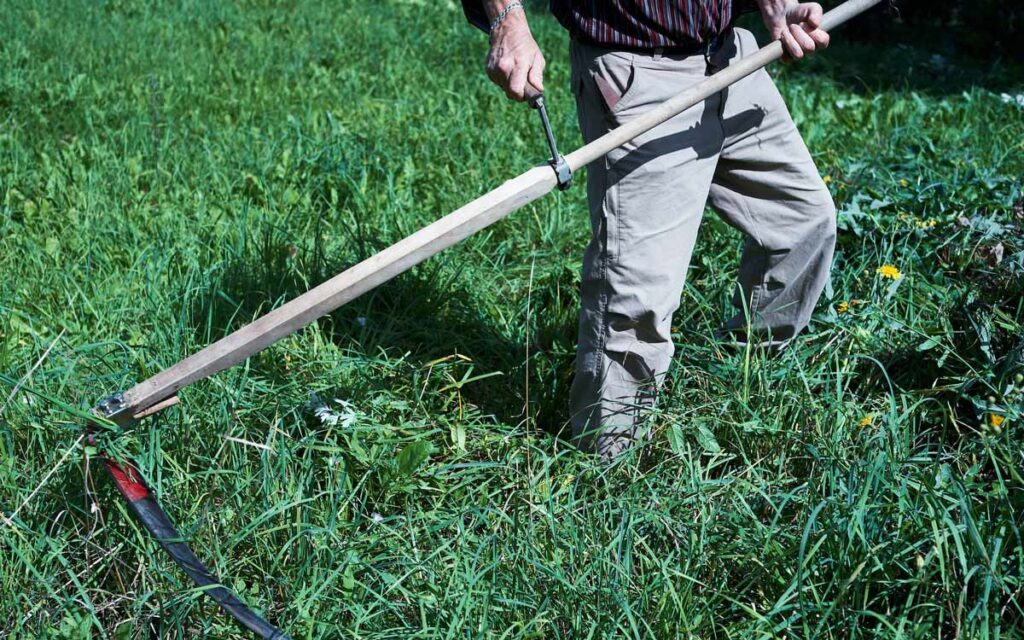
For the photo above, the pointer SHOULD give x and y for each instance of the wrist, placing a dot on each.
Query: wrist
(498, 11)
(494, 7)
(513, 23)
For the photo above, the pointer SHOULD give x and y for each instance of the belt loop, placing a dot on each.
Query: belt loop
(658, 52)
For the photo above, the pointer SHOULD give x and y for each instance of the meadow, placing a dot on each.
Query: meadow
(170, 171)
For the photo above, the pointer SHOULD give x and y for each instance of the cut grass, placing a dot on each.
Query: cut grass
(172, 171)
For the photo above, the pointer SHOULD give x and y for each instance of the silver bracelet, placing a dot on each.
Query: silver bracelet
(504, 12)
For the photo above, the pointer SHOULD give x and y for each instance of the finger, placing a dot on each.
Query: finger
(536, 75)
(794, 50)
(813, 14)
(496, 77)
(820, 37)
(492, 72)
(808, 13)
(498, 69)
(802, 38)
(517, 81)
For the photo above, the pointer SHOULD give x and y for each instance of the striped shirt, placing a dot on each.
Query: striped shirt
(646, 24)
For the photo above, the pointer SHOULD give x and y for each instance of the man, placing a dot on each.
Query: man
(739, 150)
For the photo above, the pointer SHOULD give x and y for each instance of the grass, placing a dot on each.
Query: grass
(170, 171)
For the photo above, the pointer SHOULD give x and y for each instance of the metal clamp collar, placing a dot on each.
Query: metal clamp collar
(563, 173)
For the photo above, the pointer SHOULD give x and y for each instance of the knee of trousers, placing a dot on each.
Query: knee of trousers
(821, 230)
(827, 227)
(819, 208)
(814, 226)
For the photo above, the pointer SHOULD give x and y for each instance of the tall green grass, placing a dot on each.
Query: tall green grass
(169, 171)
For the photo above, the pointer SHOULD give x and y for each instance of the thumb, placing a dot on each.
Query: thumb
(807, 14)
(536, 74)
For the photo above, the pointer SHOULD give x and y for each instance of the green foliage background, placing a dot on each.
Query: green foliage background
(984, 28)
(169, 171)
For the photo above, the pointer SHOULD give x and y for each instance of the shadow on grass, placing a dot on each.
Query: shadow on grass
(424, 315)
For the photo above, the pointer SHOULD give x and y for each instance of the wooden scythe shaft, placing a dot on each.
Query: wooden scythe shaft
(432, 239)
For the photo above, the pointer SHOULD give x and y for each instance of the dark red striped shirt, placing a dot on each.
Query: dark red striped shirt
(646, 24)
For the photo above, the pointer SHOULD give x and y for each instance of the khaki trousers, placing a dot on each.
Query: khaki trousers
(738, 151)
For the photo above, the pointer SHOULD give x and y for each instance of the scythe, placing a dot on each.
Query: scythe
(160, 391)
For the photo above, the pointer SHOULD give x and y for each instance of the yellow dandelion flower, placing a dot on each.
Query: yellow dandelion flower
(996, 420)
(904, 183)
(866, 421)
(826, 179)
(843, 307)
(889, 271)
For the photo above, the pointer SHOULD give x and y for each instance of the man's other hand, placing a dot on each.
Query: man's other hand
(797, 24)
(515, 59)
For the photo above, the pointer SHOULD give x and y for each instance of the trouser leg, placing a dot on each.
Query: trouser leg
(767, 186)
(646, 200)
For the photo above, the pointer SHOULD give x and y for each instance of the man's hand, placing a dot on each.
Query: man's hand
(797, 24)
(514, 59)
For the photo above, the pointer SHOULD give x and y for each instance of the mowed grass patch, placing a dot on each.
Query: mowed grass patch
(170, 172)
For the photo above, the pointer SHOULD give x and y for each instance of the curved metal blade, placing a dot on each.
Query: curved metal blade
(149, 513)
